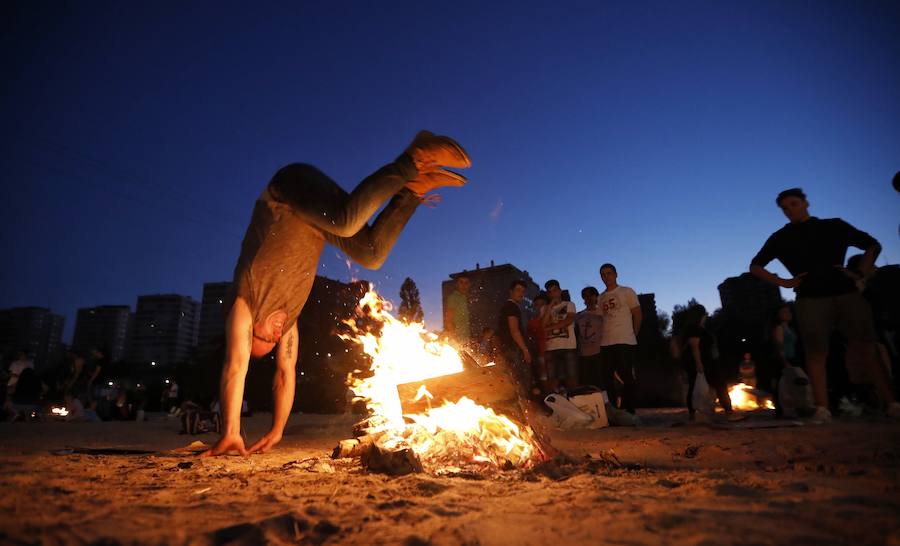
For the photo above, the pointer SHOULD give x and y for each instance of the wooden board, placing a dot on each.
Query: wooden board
(488, 386)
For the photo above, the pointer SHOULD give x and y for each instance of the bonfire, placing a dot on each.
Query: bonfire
(745, 397)
(445, 436)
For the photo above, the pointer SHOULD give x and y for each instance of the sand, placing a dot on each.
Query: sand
(834, 484)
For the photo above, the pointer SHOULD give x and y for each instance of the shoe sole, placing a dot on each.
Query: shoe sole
(463, 156)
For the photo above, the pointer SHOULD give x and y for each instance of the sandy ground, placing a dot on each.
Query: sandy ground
(834, 484)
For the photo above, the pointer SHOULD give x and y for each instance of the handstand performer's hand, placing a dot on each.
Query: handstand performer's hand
(226, 444)
(265, 443)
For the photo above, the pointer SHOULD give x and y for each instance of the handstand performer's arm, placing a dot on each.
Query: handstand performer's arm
(283, 386)
(238, 339)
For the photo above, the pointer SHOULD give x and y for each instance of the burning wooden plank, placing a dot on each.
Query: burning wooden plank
(491, 386)
(488, 386)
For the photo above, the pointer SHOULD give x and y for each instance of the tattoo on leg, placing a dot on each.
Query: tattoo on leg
(290, 345)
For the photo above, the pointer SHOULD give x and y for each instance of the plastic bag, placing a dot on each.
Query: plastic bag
(594, 405)
(702, 398)
(795, 393)
(565, 414)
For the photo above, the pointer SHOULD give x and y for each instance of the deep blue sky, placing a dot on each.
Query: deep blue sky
(655, 135)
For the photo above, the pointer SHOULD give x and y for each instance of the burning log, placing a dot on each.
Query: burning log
(492, 386)
(488, 386)
(355, 447)
(435, 411)
(392, 462)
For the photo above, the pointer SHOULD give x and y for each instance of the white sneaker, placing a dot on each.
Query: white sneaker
(821, 416)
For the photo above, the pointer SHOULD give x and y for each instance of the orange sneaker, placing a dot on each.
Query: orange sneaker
(428, 151)
(430, 180)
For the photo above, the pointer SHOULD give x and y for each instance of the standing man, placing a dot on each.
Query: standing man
(559, 323)
(299, 211)
(621, 313)
(509, 334)
(813, 252)
(456, 316)
(588, 330)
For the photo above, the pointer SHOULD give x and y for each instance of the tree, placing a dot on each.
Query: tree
(663, 321)
(410, 304)
(678, 314)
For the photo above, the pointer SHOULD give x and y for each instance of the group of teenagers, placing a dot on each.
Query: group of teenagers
(553, 348)
(556, 349)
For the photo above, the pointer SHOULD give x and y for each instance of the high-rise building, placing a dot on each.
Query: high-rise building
(164, 331)
(488, 292)
(212, 315)
(35, 330)
(749, 298)
(106, 328)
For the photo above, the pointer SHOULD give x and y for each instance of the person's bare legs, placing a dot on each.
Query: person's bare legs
(815, 369)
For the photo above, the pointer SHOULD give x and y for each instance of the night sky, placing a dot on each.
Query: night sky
(654, 135)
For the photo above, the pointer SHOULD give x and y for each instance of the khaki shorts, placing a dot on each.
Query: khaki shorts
(818, 317)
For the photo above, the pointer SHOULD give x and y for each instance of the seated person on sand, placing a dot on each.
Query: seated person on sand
(299, 211)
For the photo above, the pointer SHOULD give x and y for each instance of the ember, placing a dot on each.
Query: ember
(446, 434)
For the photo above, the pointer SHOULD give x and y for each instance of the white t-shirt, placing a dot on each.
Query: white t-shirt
(563, 338)
(589, 326)
(616, 305)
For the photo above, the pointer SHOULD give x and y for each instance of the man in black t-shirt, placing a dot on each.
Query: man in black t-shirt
(813, 251)
(509, 334)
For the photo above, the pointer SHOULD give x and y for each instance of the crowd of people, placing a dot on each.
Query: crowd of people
(551, 348)
(78, 386)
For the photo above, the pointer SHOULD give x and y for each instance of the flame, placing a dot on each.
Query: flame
(61, 412)
(743, 398)
(444, 437)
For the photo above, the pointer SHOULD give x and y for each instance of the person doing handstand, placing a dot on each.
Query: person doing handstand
(298, 212)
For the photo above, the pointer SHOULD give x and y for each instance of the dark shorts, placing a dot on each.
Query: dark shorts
(818, 317)
(562, 364)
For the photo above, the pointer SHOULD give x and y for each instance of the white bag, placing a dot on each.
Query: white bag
(594, 405)
(566, 415)
(702, 398)
(795, 393)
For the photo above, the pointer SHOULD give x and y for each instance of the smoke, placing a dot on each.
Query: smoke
(495, 213)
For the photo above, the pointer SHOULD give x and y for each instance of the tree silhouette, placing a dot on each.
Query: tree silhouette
(410, 304)
(678, 314)
(663, 321)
